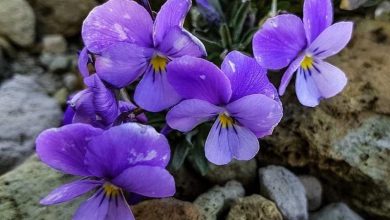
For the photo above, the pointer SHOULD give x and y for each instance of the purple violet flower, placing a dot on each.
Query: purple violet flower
(126, 158)
(128, 43)
(239, 95)
(83, 61)
(208, 11)
(286, 40)
(97, 105)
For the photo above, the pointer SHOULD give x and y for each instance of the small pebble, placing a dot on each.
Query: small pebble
(54, 44)
(313, 190)
(335, 211)
(254, 207)
(286, 190)
(218, 199)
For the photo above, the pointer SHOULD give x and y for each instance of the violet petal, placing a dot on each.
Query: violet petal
(246, 76)
(178, 42)
(279, 41)
(332, 40)
(189, 113)
(117, 21)
(64, 148)
(148, 181)
(171, 14)
(70, 191)
(287, 76)
(257, 112)
(196, 78)
(154, 93)
(317, 16)
(122, 63)
(124, 146)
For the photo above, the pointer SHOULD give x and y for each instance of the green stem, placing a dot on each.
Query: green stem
(274, 8)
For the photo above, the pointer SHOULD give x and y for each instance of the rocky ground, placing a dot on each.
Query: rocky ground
(331, 162)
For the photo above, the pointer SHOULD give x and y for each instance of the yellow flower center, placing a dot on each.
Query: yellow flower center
(159, 63)
(226, 120)
(111, 190)
(307, 63)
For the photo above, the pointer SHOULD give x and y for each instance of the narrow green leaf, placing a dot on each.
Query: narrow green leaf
(247, 38)
(238, 21)
(208, 43)
(225, 35)
(199, 160)
(179, 155)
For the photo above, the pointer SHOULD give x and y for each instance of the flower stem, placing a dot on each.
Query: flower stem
(124, 95)
(274, 8)
(166, 130)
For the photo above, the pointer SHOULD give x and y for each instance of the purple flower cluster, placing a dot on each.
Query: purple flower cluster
(106, 140)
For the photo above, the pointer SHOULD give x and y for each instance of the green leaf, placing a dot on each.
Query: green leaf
(247, 38)
(284, 5)
(208, 43)
(179, 155)
(226, 37)
(197, 154)
(238, 21)
(181, 151)
(199, 160)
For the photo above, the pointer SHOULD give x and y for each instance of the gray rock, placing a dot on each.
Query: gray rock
(70, 81)
(218, 199)
(335, 211)
(351, 4)
(286, 190)
(3, 67)
(254, 207)
(55, 62)
(25, 110)
(313, 190)
(382, 12)
(59, 64)
(368, 149)
(23, 188)
(7, 47)
(243, 171)
(54, 43)
(46, 59)
(51, 83)
(61, 17)
(25, 64)
(17, 22)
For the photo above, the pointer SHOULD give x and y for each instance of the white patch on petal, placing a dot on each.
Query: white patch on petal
(127, 16)
(119, 29)
(203, 77)
(233, 66)
(151, 155)
(274, 23)
(138, 157)
(57, 195)
(180, 43)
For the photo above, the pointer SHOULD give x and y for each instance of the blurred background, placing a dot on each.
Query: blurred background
(339, 152)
